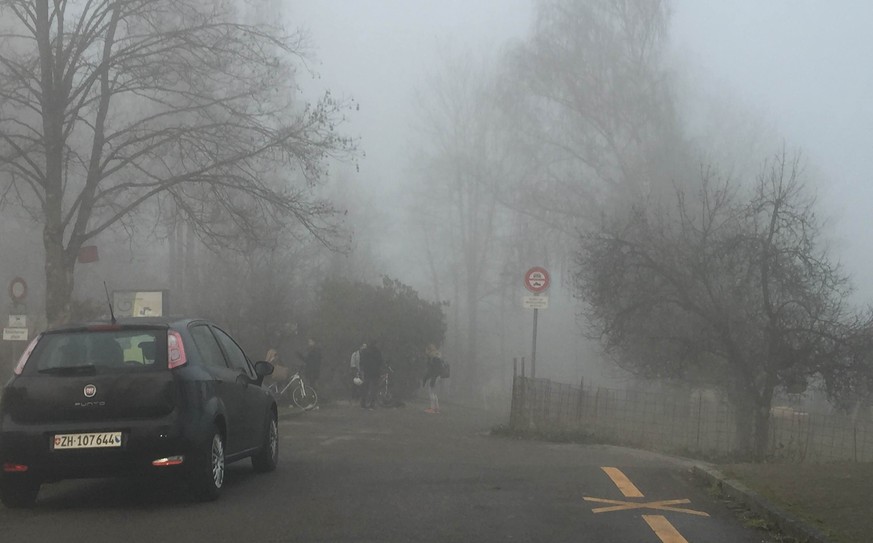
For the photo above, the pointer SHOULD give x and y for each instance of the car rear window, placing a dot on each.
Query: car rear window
(99, 352)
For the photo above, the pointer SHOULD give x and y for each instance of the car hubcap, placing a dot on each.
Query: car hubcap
(217, 461)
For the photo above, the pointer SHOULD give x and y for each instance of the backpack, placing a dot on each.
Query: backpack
(445, 370)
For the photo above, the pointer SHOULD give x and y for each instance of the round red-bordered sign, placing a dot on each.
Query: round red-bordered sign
(18, 289)
(536, 279)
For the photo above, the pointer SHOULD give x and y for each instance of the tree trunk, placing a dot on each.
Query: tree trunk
(762, 419)
(745, 426)
(58, 264)
(59, 269)
(472, 341)
(753, 422)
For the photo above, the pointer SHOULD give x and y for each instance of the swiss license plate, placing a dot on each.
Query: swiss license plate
(93, 440)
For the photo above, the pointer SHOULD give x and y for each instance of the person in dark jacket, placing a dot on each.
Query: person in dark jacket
(434, 370)
(371, 370)
(311, 362)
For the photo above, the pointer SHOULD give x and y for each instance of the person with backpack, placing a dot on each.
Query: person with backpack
(357, 377)
(435, 370)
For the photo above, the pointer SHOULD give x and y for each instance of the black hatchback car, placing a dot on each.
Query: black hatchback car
(135, 396)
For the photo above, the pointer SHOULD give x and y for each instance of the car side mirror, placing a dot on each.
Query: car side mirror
(263, 369)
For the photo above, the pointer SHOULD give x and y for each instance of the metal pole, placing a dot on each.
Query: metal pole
(533, 356)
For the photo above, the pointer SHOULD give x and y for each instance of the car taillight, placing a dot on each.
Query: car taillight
(23, 360)
(175, 350)
(10, 467)
(169, 461)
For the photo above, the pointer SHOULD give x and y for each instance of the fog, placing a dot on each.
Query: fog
(795, 67)
(794, 71)
(749, 80)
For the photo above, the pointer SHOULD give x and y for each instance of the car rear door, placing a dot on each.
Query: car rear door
(246, 378)
(225, 383)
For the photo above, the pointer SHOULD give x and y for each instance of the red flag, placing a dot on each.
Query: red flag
(88, 254)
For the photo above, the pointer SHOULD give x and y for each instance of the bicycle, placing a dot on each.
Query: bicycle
(302, 395)
(384, 395)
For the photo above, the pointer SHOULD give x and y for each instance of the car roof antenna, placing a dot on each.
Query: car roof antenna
(109, 301)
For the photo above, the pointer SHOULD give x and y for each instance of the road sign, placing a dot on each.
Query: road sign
(18, 289)
(535, 302)
(15, 334)
(140, 303)
(17, 321)
(536, 279)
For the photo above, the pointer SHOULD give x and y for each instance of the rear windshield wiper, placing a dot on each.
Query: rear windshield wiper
(87, 368)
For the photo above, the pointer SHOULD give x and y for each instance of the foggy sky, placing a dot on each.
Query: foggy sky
(807, 65)
(803, 65)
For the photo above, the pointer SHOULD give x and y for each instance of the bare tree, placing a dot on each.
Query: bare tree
(460, 164)
(107, 106)
(735, 292)
(593, 108)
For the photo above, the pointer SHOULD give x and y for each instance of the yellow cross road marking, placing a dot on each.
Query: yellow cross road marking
(663, 505)
(659, 524)
(623, 483)
(663, 529)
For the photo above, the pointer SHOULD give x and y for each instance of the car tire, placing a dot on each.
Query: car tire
(18, 492)
(208, 470)
(267, 457)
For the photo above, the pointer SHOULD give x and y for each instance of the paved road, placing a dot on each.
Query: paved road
(400, 475)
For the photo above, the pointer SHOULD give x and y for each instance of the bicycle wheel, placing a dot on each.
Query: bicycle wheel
(385, 397)
(304, 397)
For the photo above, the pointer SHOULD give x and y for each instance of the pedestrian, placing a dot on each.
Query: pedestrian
(434, 370)
(280, 372)
(311, 362)
(371, 370)
(355, 370)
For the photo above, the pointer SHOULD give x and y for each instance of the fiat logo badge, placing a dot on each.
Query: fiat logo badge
(90, 391)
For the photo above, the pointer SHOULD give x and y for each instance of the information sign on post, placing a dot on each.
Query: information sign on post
(536, 280)
(17, 321)
(15, 334)
(535, 302)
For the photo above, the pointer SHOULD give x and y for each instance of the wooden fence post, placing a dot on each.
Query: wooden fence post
(580, 399)
(513, 403)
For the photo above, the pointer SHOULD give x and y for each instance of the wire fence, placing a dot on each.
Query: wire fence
(689, 423)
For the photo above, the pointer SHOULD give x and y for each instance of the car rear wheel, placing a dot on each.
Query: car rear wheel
(267, 457)
(18, 491)
(207, 475)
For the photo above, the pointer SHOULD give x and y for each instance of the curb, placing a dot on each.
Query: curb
(786, 523)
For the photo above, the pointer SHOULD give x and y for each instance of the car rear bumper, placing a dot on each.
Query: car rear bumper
(142, 443)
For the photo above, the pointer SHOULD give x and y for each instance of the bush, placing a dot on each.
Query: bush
(349, 313)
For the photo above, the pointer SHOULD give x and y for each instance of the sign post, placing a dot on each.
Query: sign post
(537, 281)
(17, 330)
